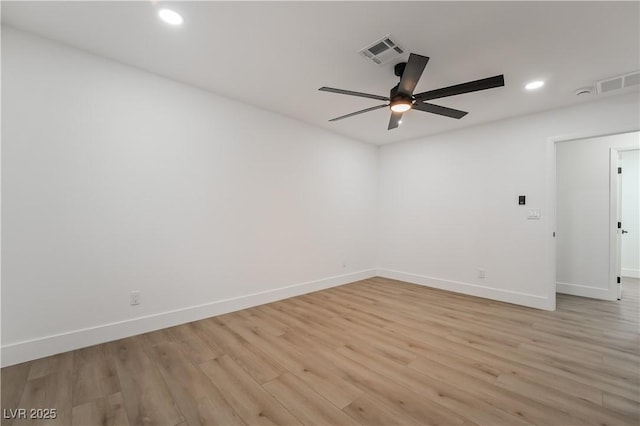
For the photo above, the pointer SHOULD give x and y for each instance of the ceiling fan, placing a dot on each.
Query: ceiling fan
(401, 99)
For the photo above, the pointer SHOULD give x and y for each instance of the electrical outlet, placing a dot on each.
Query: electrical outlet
(480, 273)
(135, 297)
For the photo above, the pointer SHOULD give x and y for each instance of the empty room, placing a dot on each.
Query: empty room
(320, 213)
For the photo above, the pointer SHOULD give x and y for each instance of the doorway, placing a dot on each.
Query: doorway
(588, 242)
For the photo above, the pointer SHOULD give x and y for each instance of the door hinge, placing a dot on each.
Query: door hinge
(619, 225)
(619, 170)
(618, 280)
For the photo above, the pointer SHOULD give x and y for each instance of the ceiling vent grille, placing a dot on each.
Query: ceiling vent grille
(619, 83)
(382, 51)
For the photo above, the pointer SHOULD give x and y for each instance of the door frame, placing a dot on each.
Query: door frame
(551, 203)
(614, 237)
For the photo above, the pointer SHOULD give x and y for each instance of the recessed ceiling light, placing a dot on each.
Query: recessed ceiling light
(170, 17)
(534, 85)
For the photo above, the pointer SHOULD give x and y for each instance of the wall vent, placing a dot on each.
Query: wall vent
(619, 83)
(382, 51)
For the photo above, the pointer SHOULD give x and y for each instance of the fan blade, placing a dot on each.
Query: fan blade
(458, 89)
(412, 72)
(440, 110)
(359, 112)
(394, 121)
(350, 93)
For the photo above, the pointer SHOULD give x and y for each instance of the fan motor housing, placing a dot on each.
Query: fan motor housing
(394, 96)
(398, 69)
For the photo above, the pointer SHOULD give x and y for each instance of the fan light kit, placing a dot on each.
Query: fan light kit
(170, 17)
(401, 98)
(401, 105)
(534, 85)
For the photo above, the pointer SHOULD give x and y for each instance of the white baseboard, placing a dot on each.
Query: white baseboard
(50, 345)
(633, 273)
(584, 291)
(514, 297)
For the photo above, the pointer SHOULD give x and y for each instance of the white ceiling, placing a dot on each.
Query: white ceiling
(276, 55)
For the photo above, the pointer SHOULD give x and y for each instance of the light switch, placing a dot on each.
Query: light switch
(534, 214)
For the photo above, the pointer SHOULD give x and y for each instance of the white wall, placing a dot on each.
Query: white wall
(583, 209)
(114, 179)
(630, 161)
(449, 203)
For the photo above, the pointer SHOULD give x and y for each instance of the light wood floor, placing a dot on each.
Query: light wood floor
(375, 352)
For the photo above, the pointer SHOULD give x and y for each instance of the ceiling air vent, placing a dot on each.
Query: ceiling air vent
(619, 83)
(382, 51)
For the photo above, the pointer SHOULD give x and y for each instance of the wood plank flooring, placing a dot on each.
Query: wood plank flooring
(375, 352)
